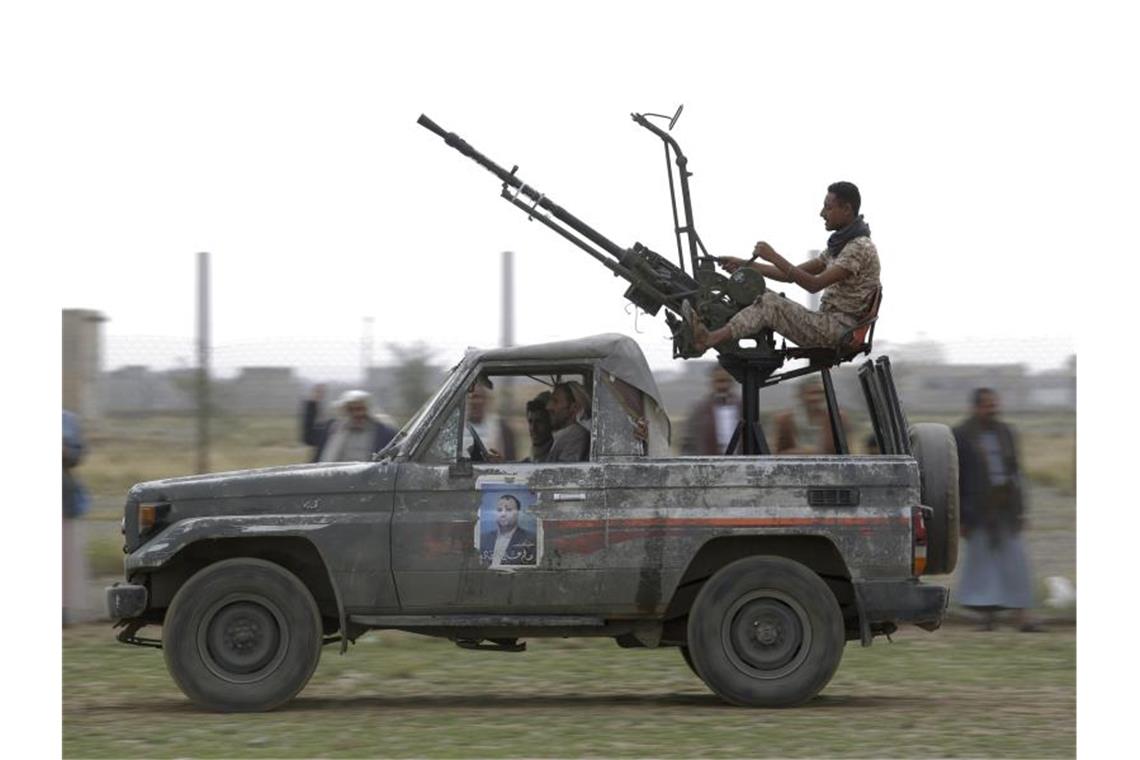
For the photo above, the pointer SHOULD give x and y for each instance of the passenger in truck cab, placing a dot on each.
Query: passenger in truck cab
(569, 408)
(538, 425)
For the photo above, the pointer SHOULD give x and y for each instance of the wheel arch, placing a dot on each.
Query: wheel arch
(297, 554)
(817, 553)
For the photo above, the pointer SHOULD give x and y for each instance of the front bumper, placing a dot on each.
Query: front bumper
(126, 600)
(902, 601)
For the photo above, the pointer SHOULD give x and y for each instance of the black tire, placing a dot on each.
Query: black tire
(766, 632)
(937, 454)
(687, 656)
(242, 635)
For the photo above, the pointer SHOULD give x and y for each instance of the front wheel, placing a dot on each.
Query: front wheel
(766, 632)
(688, 658)
(242, 635)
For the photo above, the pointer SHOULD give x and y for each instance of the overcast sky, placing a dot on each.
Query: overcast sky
(282, 139)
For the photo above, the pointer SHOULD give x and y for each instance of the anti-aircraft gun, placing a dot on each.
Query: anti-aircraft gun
(656, 283)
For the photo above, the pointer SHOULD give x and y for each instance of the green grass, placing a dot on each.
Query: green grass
(951, 693)
(128, 450)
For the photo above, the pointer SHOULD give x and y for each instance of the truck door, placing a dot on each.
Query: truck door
(446, 552)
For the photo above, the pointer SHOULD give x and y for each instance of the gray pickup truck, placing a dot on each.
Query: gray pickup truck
(758, 569)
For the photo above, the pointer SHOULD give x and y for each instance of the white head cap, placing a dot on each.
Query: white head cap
(353, 396)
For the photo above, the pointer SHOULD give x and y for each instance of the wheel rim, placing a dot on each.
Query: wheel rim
(766, 634)
(243, 638)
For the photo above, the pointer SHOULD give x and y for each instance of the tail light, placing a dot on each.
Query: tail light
(918, 546)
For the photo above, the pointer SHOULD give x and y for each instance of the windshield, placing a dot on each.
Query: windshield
(418, 419)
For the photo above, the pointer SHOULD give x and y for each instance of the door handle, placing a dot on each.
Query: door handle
(577, 496)
(460, 469)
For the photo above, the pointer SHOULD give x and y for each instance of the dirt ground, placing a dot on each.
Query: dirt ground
(951, 693)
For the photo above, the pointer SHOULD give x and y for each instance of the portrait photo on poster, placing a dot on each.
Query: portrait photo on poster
(508, 534)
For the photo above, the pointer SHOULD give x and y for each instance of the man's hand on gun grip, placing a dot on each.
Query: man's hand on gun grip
(763, 251)
(730, 263)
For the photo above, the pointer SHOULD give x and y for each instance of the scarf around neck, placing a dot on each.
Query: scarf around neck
(840, 238)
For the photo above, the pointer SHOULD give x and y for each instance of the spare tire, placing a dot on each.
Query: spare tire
(937, 454)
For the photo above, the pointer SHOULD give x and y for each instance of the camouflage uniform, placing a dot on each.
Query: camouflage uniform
(841, 306)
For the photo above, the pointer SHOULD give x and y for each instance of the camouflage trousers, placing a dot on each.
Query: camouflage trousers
(799, 324)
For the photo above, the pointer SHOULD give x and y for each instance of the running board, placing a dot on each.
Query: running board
(478, 621)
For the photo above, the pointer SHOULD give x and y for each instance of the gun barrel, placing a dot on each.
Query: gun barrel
(424, 121)
(540, 199)
(461, 145)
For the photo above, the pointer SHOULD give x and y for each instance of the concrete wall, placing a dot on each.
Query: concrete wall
(82, 360)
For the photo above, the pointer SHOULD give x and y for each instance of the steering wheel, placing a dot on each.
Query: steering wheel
(477, 449)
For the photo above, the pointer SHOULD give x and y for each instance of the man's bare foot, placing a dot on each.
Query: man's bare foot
(700, 332)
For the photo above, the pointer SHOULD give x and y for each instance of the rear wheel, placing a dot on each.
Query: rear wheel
(766, 632)
(242, 635)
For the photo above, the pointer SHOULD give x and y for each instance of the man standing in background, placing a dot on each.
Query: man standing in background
(807, 428)
(712, 422)
(75, 505)
(995, 569)
(354, 435)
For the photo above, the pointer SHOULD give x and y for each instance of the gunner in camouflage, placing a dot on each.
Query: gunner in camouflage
(847, 273)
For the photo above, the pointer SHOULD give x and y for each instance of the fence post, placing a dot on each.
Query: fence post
(203, 362)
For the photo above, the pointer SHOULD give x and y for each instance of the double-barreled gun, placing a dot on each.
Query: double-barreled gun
(654, 281)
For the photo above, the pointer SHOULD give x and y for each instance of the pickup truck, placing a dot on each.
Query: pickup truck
(758, 569)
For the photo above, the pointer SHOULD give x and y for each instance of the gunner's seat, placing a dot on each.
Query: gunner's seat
(856, 340)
